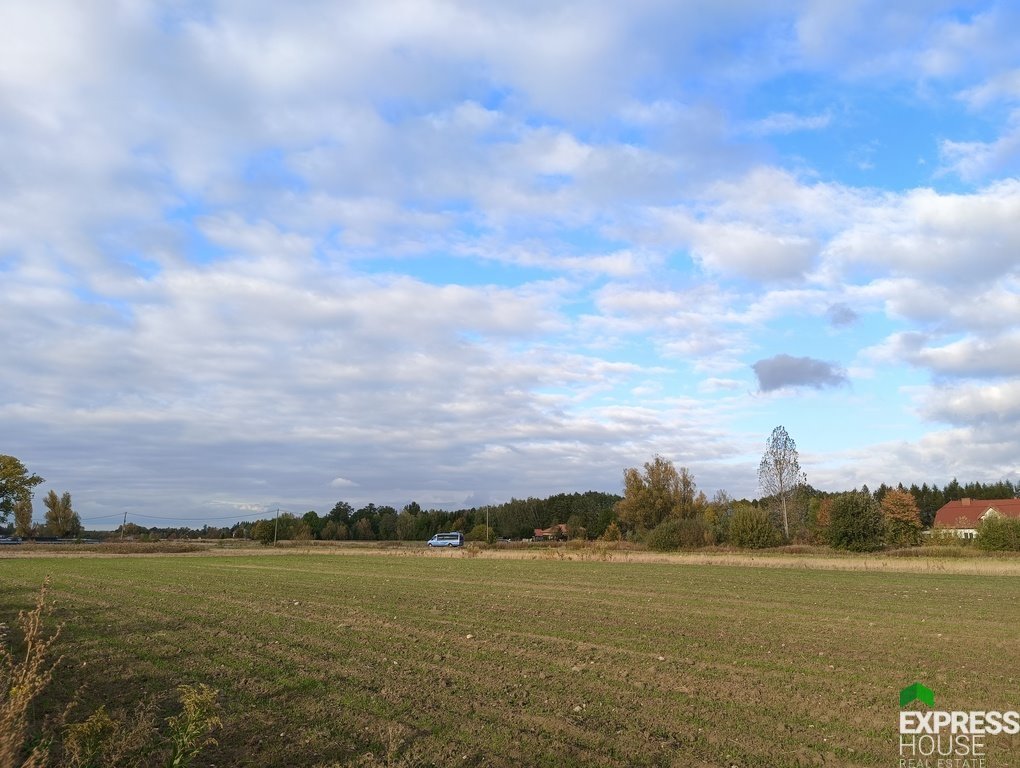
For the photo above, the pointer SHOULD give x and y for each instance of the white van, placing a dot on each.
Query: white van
(455, 539)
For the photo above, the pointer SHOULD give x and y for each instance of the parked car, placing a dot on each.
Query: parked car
(10, 540)
(454, 539)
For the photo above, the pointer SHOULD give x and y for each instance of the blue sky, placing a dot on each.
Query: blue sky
(260, 254)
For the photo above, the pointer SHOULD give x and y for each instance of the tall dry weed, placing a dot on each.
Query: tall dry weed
(191, 731)
(104, 741)
(23, 674)
(110, 741)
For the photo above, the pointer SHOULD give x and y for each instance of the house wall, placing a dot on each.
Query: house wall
(963, 533)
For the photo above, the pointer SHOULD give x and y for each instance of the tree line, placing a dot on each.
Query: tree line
(586, 515)
(17, 488)
(661, 505)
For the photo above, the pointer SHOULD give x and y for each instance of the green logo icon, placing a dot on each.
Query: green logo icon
(917, 692)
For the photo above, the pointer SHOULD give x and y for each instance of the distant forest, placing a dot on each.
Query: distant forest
(586, 515)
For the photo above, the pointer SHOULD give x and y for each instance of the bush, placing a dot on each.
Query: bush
(943, 537)
(678, 534)
(856, 522)
(902, 519)
(999, 534)
(752, 528)
(481, 533)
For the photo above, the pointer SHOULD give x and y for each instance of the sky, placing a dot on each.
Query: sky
(260, 255)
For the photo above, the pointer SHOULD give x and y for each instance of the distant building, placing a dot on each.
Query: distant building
(964, 517)
(558, 531)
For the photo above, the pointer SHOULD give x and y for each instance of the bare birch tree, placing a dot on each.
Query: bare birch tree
(779, 473)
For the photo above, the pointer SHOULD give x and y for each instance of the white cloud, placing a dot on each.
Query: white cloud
(737, 250)
(971, 357)
(975, 357)
(975, 161)
(715, 384)
(935, 458)
(916, 42)
(986, 405)
(788, 122)
(949, 307)
(1002, 87)
(958, 238)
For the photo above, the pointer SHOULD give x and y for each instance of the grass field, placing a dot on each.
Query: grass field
(325, 659)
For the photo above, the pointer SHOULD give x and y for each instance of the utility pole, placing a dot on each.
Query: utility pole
(123, 526)
(276, 527)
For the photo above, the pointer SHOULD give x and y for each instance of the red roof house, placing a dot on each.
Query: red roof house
(964, 516)
(558, 531)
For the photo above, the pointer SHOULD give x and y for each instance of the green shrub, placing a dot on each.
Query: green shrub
(481, 533)
(752, 528)
(676, 534)
(943, 537)
(999, 534)
(855, 522)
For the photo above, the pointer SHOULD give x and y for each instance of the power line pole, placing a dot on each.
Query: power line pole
(276, 526)
(123, 526)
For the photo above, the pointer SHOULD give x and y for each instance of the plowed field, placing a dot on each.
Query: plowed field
(443, 660)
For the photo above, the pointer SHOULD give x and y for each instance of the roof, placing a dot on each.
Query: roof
(966, 513)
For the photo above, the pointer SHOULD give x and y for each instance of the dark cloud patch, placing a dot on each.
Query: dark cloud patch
(783, 371)
(841, 315)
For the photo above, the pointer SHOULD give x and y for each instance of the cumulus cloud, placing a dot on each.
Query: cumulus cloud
(956, 238)
(969, 357)
(738, 250)
(786, 372)
(935, 457)
(989, 405)
(947, 307)
(975, 161)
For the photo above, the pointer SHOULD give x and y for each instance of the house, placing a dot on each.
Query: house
(963, 517)
(558, 531)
